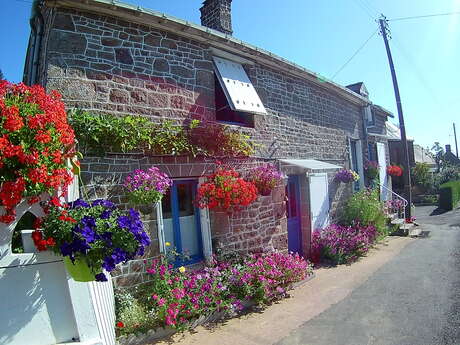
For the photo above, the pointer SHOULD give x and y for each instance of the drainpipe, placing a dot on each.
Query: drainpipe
(33, 56)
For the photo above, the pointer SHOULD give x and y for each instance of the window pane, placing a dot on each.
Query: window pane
(185, 199)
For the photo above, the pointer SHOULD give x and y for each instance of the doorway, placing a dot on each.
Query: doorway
(293, 214)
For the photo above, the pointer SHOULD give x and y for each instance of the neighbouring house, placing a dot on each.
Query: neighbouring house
(376, 137)
(396, 147)
(422, 155)
(110, 57)
(450, 157)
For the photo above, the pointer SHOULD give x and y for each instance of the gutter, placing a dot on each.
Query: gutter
(213, 38)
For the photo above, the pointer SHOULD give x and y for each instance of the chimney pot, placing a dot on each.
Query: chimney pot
(447, 148)
(217, 15)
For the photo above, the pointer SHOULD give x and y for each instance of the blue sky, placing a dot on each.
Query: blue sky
(322, 35)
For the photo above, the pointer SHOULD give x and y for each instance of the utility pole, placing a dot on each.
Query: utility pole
(455, 136)
(385, 31)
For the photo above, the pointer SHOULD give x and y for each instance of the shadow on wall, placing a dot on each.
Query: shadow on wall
(35, 302)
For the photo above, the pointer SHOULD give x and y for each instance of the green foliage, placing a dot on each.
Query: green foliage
(420, 175)
(102, 132)
(98, 133)
(365, 207)
(447, 174)
(171, 139)
(449, 195)
(131, 313)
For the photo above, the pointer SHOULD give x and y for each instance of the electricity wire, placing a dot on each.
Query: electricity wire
(425, 16)
(356, 53)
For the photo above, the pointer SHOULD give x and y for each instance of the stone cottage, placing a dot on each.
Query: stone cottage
(109, 57)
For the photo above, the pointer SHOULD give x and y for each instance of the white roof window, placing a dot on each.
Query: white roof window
(241, 94)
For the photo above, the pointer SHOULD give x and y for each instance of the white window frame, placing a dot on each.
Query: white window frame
(205, 229)
(359, 158)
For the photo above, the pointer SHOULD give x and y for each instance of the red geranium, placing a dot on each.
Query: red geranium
(394, 170)
(35, 142)
(225, 189)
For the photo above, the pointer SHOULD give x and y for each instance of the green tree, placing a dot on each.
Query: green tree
(438, 153)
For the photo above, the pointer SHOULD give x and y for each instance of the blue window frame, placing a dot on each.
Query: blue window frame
(181, 222)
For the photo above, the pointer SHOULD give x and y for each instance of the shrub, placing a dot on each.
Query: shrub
(343, 244)
(448, 173)
(365, 208)
(36, 143)
(132, 312)
(449, 195)
(420, 175)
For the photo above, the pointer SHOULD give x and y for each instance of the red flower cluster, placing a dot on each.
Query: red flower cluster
(37, 236)
(35, 142)
(394, 170)
(225, 189)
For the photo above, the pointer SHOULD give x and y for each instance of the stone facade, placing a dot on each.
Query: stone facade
(104, 64)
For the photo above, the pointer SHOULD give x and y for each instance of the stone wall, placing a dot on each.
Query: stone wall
(103, 64)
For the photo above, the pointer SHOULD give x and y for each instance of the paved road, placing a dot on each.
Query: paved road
(412, 300)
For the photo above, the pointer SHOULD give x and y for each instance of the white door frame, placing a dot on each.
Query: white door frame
(383, 178)
(325, 204)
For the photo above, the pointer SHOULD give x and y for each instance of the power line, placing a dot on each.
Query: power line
(364, 8)
(425, 16)
(356, 53)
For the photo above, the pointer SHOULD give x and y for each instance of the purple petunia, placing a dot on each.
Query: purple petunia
(101, 277)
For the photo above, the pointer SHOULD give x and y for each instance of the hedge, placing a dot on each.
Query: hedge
(449, 195)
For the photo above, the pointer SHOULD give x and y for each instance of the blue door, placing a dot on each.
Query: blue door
(293, 214)
(181, 222)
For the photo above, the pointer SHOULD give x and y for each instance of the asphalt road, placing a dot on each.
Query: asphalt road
(412, 300)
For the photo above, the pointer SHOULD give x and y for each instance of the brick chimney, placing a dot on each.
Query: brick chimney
(448, 148)
(217, 15)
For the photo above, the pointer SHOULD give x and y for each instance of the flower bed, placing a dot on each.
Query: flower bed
(342, 244)
(174, 298)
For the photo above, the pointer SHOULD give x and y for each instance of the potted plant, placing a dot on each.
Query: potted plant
(394, 170)
(265, 178)
(146, 187)
(372, 169)
(36, 145)
(226, 190)
(91, 236)
(346, 176)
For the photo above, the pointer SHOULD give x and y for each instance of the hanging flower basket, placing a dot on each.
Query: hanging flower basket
(79, 270)
(35, 143)
(371, 169)
(226, 190)
(346, 176)
(90, 236)
(146, 187)
(394, 170)
(265, 178)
